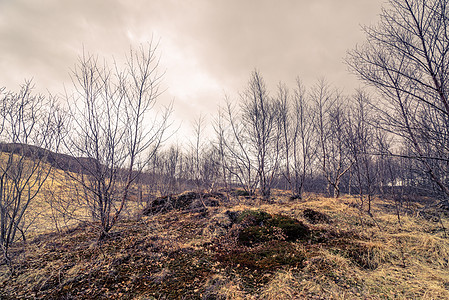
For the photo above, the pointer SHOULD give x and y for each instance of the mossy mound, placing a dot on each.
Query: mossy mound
(258, 234)
(260, 227)
(292, 228)
(252, 217)
(267, 256)
(315, 217)
(184, 201)
(241, 193)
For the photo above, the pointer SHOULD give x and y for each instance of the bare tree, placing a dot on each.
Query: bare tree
(330, 122)
(237, 159)
(30, 126)
(405, 58)
(115, 132)
(296, 133)
(304, 139)
(253, 139)
(162, 176)
(197, 154)
(171, 165)
(361, 137)
(259, 114)
(285, 128)
(221, 151)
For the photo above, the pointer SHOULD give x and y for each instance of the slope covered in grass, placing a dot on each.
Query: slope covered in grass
(242, 249)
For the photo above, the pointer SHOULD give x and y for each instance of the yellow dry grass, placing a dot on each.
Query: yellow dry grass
(406, 258)
(282, 286)
(391, 258)
(410, 255)
(61, 204)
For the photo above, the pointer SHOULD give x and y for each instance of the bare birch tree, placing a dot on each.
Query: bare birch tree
(30, 126)
(250, 139)
(361, 140)
(296, 131)
(115, 128)
(259, 115)
(405, 57)
(330, 122)
(304, 139)
(285, 128)
(197, 150)
(237, 159)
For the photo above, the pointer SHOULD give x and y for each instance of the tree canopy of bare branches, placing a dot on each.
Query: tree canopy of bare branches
(115, 126)
(252, 138)
(331, 123)
(30, 126)
(406, 58)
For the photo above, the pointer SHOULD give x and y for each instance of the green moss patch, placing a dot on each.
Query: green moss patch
(258, 234)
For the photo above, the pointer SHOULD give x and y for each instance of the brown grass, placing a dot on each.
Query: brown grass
(283, 285)
(178, 254)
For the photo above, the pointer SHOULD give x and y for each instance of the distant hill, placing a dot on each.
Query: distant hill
(56, 160)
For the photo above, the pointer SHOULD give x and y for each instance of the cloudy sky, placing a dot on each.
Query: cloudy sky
(207, 47)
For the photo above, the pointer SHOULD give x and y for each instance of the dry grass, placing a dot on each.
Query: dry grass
(61, 205)
(395, 259)
(281, 286)
(221, 287)
(177, 254)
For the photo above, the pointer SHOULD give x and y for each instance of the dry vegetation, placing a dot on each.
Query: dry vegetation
(242, 249)
(84, 233)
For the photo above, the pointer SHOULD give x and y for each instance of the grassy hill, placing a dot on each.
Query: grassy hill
(60, 161)
(241, 248)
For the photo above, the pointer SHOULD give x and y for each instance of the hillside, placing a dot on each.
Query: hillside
(238, 248)
(60, 161)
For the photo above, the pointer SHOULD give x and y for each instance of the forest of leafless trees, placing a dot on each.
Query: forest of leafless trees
(389, 139)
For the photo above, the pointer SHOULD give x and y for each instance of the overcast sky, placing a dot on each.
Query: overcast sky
(207, 47)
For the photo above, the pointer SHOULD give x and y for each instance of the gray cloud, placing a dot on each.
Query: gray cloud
(42, 39)
(207, 47)
(282, 38)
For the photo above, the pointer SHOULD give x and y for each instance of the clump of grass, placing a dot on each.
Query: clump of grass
(221, 287)
(281, 286)
(326, 263)
(435, 249)
(366, 254)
